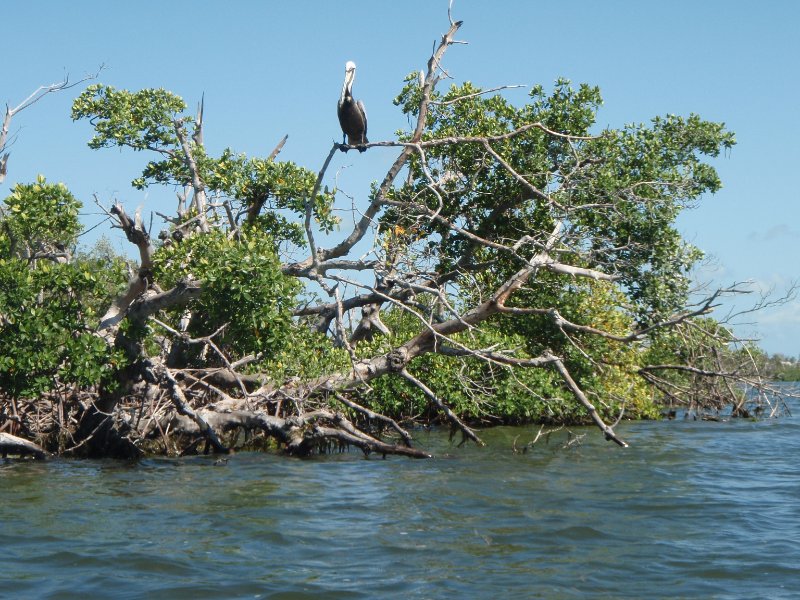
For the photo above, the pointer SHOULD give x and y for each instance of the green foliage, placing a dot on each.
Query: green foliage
(142, 120)
(243, 288)
(277, 190)
(147, 120)
(481, 391)
(47, 315)
(38, 216)
(619, 191)
(649, 175)
(606, 369)
(276, 185)
(47, 309)
(695, 338)
(305, 355)
(475, 390)
(618, 194)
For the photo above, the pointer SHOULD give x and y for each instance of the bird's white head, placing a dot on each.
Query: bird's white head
(349, 76)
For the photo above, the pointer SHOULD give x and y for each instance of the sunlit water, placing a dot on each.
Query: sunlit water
(691, 510)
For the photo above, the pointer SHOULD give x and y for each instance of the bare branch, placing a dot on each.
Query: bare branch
(376, 417)
(309, 206)
(481, 93)
(197, 135)
(184, 292)
(198, 186)
(455, 140)
(3, 166)
(377, 202)
(32, 99)
(184, 408)
(278, 148)
(451, 416)
(581, 397)
(542, 433)
(137, 235)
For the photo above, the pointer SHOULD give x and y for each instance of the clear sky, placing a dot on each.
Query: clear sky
(274, 68)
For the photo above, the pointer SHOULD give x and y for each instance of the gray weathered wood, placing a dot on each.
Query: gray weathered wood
(11, 444)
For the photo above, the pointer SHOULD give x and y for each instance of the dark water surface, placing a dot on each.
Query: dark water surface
(691, 510)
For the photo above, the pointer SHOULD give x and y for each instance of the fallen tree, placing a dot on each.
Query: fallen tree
(17, 446)
(513, 264)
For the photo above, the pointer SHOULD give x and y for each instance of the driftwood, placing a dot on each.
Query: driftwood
(17, 446)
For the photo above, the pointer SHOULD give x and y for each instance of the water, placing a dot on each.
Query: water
(691, 510)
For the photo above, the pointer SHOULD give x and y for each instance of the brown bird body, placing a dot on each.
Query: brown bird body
(351, 112)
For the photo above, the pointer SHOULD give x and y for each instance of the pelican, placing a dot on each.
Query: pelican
(352, 116)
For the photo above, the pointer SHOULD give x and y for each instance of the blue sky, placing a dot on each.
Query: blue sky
(274, 68)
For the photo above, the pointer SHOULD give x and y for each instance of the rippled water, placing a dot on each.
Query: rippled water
(691, 510)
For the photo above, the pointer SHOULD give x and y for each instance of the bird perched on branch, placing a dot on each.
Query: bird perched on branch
(352, 116)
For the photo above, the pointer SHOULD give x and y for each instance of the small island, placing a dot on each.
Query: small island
(516, 263)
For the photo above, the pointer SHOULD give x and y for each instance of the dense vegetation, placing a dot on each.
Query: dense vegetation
(525, 267)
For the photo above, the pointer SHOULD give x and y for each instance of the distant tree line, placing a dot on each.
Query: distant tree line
(781, 367)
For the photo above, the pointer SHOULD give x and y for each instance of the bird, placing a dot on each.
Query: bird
(352, 115)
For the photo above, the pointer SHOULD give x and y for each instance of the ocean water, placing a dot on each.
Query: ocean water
(691, 510)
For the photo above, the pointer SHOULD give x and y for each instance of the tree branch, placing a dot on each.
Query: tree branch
(137, 235)
(198, 186)
(581, 397)
(33, 98)
(451, 416)
(11, 444)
